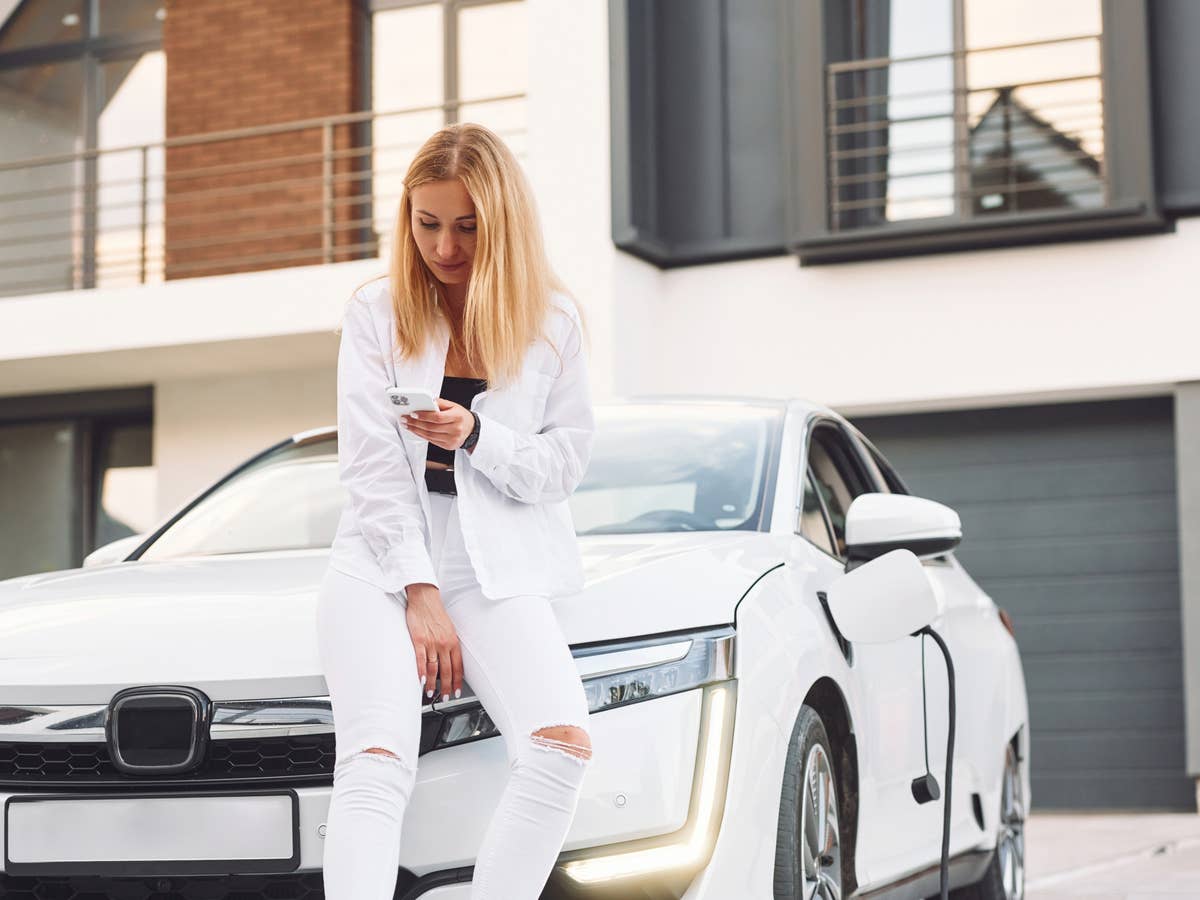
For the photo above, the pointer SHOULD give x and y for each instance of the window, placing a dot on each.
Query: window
(78, 76)
(433, 63)
(891, 481)
(656, 468)
(813, 524)
(933, 124)
(82, 463)
(838, 478)
(289, 499)
(881, 470)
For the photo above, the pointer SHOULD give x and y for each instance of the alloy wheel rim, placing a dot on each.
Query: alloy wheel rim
(1011, 847)
(820, 844)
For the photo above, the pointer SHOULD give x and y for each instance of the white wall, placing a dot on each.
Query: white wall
(1056, 321)
(569, 161)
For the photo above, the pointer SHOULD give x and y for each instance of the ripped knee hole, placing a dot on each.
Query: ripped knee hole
(379, 753)
(569, 739)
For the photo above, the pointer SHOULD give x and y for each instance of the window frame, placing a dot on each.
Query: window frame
(450, 9)
(88, 413)
(1133, 206)
(92, 50)
(891, 482)
(798, 528)
(814, 422)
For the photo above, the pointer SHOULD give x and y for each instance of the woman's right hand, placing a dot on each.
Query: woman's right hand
(435, 640)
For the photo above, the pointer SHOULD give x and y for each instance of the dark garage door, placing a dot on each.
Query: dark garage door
(1070, 523)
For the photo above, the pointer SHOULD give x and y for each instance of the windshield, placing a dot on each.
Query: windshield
(655, 467)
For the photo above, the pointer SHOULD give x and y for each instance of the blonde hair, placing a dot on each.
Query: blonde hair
(509, 292)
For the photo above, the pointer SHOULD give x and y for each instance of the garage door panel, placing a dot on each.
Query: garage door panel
(1070, 523)
(1150, 554)
(1136, 427)
(1082, 633)
(1142, 711)
(1075, 672)
(1015, 482)
(1109, 789)
(1160, 751)
(1133, 592)
(1042, 518)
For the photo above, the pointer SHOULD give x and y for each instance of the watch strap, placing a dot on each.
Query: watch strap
(474, 435)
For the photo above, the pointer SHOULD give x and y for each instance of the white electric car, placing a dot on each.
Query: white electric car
(766, 708)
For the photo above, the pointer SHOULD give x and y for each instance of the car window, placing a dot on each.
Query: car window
(656, 467)
(891, 481)
(677, 467)
(871, 461)
(839, 478)
(813, 524)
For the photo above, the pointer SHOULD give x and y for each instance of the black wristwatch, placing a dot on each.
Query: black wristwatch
(474, 435)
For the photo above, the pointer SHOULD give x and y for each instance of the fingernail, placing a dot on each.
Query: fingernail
(457, 693)
(422, 680)
(445, 697)
(429, 693)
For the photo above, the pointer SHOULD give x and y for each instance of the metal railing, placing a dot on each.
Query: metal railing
(309, 191)
(953, 136)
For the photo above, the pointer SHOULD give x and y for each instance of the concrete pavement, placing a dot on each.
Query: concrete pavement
(1112, 856)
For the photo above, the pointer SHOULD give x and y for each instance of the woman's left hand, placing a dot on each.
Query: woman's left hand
(447, 426)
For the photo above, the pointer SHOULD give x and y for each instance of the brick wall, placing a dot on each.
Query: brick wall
(240, 204)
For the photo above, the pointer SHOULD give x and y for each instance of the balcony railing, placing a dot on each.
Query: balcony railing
(295, 193)
(956, 136)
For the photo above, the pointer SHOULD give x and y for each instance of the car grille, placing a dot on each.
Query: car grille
(294, 758)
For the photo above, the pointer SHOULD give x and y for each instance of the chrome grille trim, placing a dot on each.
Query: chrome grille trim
(232, 719)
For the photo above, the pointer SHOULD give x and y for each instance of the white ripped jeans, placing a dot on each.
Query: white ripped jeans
(517, 662)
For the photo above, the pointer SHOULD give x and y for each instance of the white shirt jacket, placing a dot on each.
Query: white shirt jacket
(535, 442)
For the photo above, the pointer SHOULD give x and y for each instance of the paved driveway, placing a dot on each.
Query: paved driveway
(1115, 856)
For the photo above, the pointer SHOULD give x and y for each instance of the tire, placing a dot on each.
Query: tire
(808, 848)
(1005, 877)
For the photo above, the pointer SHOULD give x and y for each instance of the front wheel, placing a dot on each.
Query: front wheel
(808, 855)
(1005, 877)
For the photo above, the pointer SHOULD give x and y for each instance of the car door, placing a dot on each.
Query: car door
(885, 681)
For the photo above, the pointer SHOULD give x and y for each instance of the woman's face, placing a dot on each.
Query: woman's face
(443, 224)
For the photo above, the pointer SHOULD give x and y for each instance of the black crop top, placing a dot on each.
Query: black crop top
(462, 391)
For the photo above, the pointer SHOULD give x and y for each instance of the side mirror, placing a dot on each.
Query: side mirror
(879, 523)
(887, 598)
(113, 551)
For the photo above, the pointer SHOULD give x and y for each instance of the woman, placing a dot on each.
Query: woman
(448, 577)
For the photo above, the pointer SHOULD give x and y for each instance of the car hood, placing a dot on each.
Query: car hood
(238, 626)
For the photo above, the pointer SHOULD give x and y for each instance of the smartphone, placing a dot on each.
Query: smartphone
(412, 399)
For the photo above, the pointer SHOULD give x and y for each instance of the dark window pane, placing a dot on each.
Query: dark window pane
(37, 498)
(837, 478)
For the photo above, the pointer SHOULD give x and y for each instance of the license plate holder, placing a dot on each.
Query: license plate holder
(186, 833)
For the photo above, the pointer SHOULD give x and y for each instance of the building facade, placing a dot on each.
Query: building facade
(968, 225)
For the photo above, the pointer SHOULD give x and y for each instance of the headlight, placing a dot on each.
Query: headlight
(614, 674)
(617, 674)
(684, 851)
